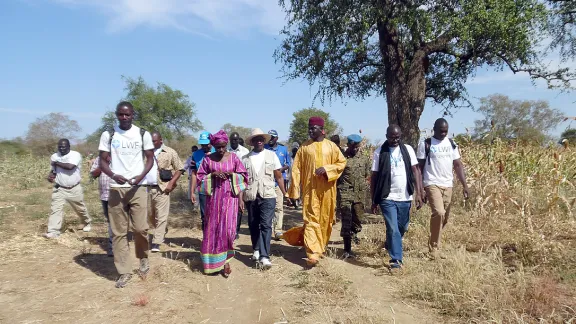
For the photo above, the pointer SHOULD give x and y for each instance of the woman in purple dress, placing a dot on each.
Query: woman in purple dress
(221, 206)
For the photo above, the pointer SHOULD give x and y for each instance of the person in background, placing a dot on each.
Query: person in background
(189, 165)
(197, 157)
(264, 176)
(295, 146)
(336, 140)
(161, 181)
(240, 152)
(130, 151)
(104, 189)
(437, 156)
(65, 174)
(352, 186)
(317, 166)
(220, 172)
(395, 179)
(285, 161)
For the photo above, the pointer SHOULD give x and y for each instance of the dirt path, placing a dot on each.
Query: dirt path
(71, 280)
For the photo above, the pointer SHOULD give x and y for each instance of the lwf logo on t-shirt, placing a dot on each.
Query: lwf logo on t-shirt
(130, 145)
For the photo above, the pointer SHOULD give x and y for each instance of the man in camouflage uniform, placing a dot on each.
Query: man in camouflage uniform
(352, 187)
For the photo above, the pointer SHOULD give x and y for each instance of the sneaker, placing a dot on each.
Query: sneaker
(155, 248)
(278, 236)
(349, 255)
(51, 235)
(266, 264)
(123, 280)
(87, 228)
(256, 255)
(395, 269)
(144, 267)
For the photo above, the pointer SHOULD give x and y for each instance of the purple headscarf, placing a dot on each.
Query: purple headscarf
(219, 137)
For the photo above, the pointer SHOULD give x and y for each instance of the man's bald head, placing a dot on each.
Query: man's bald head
(440, 122)
(157, 140)
(393, 135)
(440, 129)
(393, 129)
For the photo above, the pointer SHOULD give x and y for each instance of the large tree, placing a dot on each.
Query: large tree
(43, 134)
(160, 109)
(524, 120)
(410, 51)
(299, 126)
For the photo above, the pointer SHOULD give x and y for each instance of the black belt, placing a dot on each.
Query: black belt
(59, 186)
(150, 186)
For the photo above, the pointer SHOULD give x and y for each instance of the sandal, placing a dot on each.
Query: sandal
(226, 271)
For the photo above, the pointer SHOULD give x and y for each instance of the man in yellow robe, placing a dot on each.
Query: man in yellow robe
(317, 166)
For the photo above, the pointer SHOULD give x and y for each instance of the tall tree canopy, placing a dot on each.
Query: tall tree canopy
(244, 132)
(299, 126)
(160, 109)
(408, 51)
(524, 120)
(43, 134)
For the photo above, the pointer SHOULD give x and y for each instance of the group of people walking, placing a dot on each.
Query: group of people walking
(137, 173)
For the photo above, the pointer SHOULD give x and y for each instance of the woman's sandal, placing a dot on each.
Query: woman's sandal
(226, 271)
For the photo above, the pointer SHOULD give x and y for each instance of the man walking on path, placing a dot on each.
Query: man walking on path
(197, 157)
(282, 153)
(263, 168)
(65, 175)
(240, 152)
(395, 179)
(161, 181)
(317, 166)
(437, 156)
(131, 157)
(104, 189)
(352, 186)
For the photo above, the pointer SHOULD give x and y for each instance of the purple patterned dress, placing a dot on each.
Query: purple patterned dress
(221, 213)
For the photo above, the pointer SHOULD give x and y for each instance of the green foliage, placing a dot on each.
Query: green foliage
(13, 147)
(524, 120)
(410, 51)
(160, 109)
(299, 126)
(561, 24)
(244, 132)
(43, 134)
(570, 135)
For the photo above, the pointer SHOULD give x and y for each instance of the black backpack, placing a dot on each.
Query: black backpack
(142, 132)
(428, 143)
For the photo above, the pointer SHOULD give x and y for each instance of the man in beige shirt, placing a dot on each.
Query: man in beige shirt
(161, 181)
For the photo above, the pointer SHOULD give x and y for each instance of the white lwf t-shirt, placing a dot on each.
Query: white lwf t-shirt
(398, 180)
(67, 178)
(442, 155)
(126, 152)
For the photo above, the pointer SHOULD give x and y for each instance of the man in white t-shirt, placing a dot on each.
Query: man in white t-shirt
(65, 175)
(132, 157)
(263, 168)
(395, 179)
(437, 156)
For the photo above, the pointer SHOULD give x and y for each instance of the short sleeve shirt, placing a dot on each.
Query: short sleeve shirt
(67, 178)
(438, 169)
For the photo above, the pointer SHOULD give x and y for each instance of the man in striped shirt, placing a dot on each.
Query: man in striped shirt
(104, 189)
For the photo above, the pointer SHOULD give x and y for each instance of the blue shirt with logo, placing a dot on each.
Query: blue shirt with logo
(282, 153)
(198, 156)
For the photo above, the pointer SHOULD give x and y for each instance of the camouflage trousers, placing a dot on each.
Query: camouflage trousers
(350, 213)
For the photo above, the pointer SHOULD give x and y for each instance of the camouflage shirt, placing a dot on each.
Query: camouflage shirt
(353, 183)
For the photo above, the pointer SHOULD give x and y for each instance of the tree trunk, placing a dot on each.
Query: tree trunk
(405, 86)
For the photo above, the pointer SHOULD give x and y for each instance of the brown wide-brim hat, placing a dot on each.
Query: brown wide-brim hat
(255, 133)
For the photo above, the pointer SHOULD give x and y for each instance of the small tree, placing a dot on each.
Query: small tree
(43, 134)
(160, 109)
(570, 135)
(242, 131)
(524, 120)
(299, 126)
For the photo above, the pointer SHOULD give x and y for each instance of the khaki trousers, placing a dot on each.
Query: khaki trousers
(128, 206)
(278, 211)
(74, 197)
(158, 210)
(440, 200)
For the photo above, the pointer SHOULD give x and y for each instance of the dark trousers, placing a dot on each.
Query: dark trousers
(105, 210)
(260, 216)
(239, 222)
(202, 201)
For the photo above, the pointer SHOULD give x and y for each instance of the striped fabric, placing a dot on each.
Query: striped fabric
(205, 187)
(238, 183)
(221, 212)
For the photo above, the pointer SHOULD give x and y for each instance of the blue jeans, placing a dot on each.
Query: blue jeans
(202, 202)
(397, 217)
(260, 216)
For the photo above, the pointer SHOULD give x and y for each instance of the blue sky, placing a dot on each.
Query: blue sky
(69, 55)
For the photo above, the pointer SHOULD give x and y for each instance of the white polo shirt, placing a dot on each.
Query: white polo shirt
(67, 178)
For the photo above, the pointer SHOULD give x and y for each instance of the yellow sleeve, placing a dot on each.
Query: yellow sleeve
(335, 169)
(294, 189)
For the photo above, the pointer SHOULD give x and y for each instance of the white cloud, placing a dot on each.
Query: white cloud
(31, 112)
(204, 17)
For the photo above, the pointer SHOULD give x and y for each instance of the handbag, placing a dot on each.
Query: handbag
(165, 175)
(205, 187)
